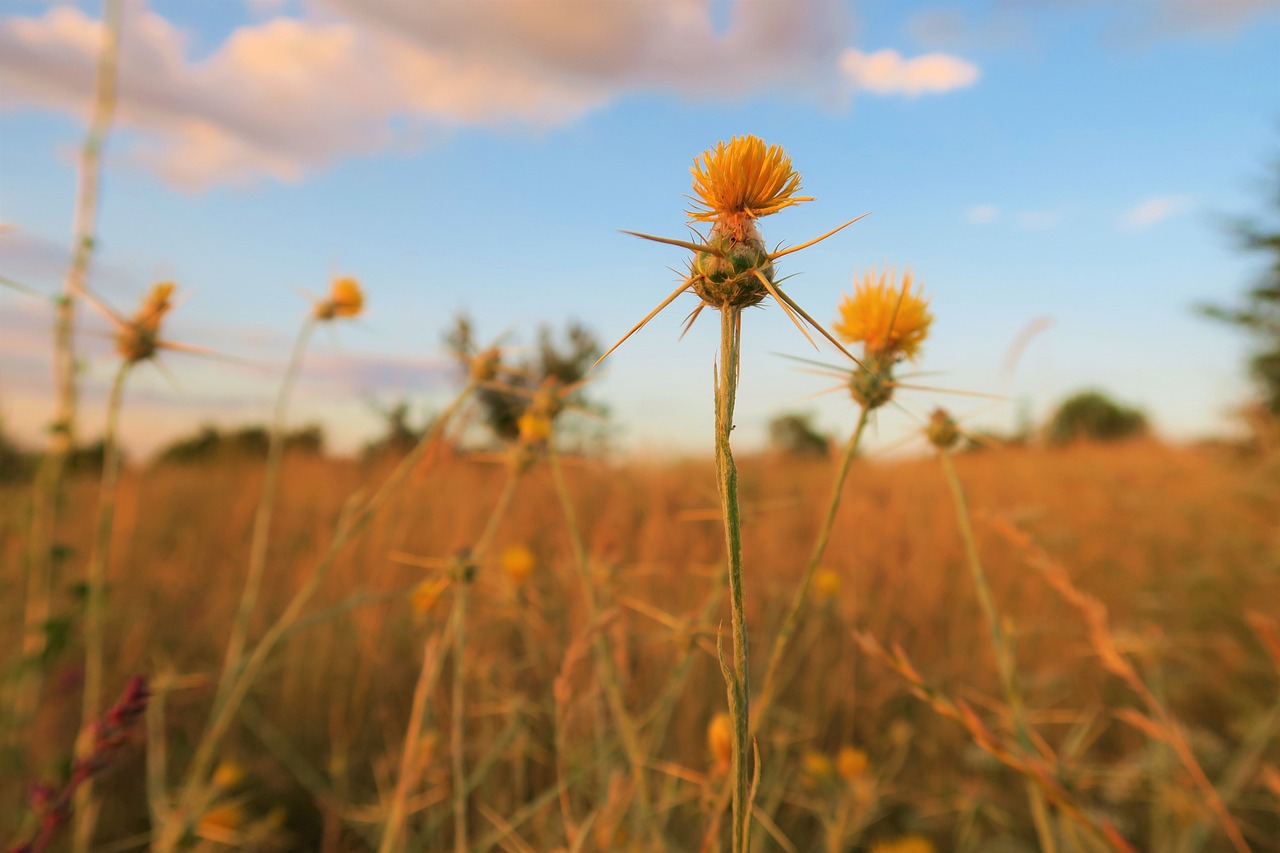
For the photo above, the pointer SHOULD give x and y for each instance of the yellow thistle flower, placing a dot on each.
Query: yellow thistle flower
(138, 338)
(743, 180)
(720, 741)
(826, 582)
(228, 775)
(534, 428)
(905, 844)
(346, 299)
(518, 563)
(888, 321)
(426, 594)
(851, 762)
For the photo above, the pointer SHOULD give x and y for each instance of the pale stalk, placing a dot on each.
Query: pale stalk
(95, 607)
(1003, 652)
(605, 670)
(262, 518)
(186, 813)
(737, 679)
(393, 827)
(792, 619)
(48, 488)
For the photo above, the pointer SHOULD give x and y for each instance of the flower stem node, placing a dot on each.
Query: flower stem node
(139, 337)
(942, 431)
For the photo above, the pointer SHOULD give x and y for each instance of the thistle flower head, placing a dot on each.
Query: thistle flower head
(905, 844)
(942, 430)
(138, 337)
(742, 180)
(851, 763)
(535, 427)
(889, 321)
(518, 563)
(346, 299)
(228, 775)
(826, 582)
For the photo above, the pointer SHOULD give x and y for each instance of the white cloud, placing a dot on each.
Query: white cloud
(982, 214)
(1154, 210)
(283, 97)
(887, 72)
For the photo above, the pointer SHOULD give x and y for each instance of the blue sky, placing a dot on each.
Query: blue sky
(1028, 159)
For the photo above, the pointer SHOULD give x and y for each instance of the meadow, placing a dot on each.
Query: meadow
(1178, 543)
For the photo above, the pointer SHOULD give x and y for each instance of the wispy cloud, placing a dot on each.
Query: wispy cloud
(1154, 210)
(887, 72)
(982, 214)
(283, 97)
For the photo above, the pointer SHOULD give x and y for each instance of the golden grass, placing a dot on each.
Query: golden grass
(1179, 544)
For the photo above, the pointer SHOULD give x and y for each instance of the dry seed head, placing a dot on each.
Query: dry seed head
(346, 299)
(742, 180)
(942, 430)
(535, 428)
(518, 563)
(720, 741)
(139, 337)
(889, 321)
(483, 366)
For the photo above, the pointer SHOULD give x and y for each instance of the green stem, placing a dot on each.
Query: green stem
(262, 519)
(737, 679)
(62, 433)
(1003, 651)
(457, 734)
(605, 669)
(792, 619)
(95, 605)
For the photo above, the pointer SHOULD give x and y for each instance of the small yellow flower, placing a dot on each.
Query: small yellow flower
(720, 741)
(905, 844)
(226, 818)
(228, 775)
(346, 299)
(743, 180)
(818, 767)
(851, 762)
(518, 562)
(888, 321)
(534, 428)
(826, 582)
(426, 594)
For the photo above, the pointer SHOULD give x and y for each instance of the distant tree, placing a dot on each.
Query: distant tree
(1259, 311)
(249, 442)
(793, 434)
(567, 361)
(398, 437)
(15, 463)
(1093, 416)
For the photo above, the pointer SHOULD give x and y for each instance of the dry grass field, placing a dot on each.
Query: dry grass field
(1181, 545)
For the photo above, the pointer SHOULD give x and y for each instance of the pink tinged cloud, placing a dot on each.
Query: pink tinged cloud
(887, 72)
(1153, 211)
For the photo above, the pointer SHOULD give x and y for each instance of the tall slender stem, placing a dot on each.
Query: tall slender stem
(457, 732)
(605, 670)
(792, 619)
(262, 518)
(1005, 665)
(737, 679)
(62, 433)
(95, 606)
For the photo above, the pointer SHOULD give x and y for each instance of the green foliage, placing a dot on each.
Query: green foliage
(211, 444)
(566, 361)
(793, 434)
(1258, 313)
(1093, 416)
(398, 438)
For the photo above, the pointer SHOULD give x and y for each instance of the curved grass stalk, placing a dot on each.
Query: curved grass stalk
(608, 675)
(354, 518)
(1003, 648)
(262, 518)
(792, 618)
(95, 607)
(49, 479)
